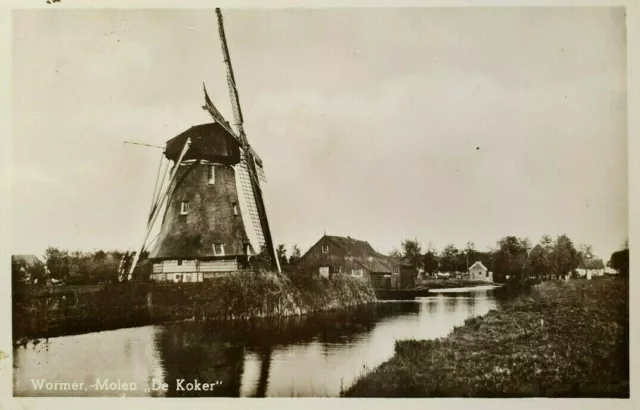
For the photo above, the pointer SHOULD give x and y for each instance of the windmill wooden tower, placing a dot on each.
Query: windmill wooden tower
(215, 217)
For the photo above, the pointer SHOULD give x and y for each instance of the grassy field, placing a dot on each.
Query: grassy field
(561, 339)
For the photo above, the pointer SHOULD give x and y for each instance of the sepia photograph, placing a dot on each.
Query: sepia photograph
(397, 202)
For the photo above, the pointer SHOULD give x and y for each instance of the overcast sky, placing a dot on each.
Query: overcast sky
(448, 125)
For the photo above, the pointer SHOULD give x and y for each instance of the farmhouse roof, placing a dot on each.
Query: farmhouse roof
(592, 263)
(478, 264)
(364, 254)
(399, 262)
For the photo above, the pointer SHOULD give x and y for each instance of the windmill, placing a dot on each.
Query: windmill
(214, 211)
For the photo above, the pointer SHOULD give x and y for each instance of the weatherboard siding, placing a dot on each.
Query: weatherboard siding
(191, 270)
(335, 259)
(229, 265)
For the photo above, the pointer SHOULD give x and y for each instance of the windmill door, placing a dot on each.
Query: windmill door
(324, 271)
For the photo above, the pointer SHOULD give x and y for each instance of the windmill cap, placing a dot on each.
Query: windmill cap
(209, 142)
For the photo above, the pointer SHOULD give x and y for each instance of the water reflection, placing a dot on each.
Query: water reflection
(299, 356)
(128, 355)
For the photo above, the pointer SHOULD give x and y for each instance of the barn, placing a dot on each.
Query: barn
(345, 255)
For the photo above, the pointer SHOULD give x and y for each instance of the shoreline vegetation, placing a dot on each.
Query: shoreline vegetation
(49, 311)
(557, 339)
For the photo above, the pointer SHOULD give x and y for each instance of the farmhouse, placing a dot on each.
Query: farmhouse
(587, 268)
(339, 255)
(478, 271)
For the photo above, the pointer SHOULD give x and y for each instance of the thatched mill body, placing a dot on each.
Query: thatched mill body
(214, 215)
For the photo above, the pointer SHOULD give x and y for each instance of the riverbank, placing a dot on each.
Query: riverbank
(449, 283)
(427, 286)
(560, 339)
(40, 312)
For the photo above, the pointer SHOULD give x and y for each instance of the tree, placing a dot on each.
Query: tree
(565, 257)
(80, 268)
(541, 263)
(449, 259)
(412, 252)
(57, 262)
(510, 259)
(281, 252)
(548, 246)
(38, 273)
(18, 272)
(471, 255)
(585, 251)
(620, 260)
(487, 257)
(537, 266)
(100, 255)
(396, 254)
(430, 262)
(295, 255)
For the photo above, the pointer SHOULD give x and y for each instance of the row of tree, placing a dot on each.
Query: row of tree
(512, 257)
(281, 252)
(76, 267)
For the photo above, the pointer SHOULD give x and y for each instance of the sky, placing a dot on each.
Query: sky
(445, 125)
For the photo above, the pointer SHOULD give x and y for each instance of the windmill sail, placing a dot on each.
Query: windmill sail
(155, 210)
(251, 186)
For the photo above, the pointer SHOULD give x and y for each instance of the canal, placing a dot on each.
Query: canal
(315, 355)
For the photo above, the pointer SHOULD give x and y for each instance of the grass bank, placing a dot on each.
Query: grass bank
(55, 311)
(561, 339)
(246, 296)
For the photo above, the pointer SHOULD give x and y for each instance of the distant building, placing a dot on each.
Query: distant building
(29, 264)
(408, 272)
(345, 255)
(478, 271)
(588, 268)
(610, 271)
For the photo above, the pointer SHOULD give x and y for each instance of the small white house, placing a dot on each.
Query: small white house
(478, 271)
(589, 268)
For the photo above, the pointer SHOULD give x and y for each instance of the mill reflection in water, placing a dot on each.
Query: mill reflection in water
(299, 356)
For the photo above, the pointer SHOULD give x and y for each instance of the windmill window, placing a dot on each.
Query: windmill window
(235, 209)
(212, 174)
(179, 262)
(184, 208)
(218, 249)
(325, 248)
